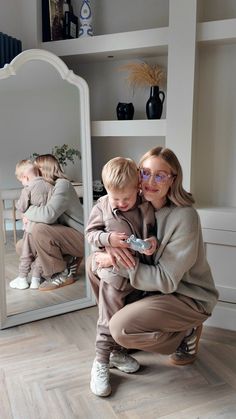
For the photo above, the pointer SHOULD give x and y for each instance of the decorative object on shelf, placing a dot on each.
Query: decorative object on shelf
(154, 105)
(125, 110)
(98, 189)
(71, 22)
(142, 74)
(56, 19)
(64, 154)
(85, 17)
(9, 48)
(71, 26)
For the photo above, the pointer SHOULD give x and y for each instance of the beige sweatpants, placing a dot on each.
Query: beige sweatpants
(153, 323)
(50, 243)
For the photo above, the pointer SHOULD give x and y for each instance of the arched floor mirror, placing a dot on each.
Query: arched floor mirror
(43, 104)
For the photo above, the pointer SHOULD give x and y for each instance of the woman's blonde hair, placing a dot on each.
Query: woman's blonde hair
(176, 194)
(24, 167)
(120, 173)
(49, 168)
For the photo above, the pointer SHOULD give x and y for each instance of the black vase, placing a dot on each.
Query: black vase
(125, 110)
(154, 105)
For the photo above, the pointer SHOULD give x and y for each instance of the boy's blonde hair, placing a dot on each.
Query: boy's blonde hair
(120, 173)
(25, 167)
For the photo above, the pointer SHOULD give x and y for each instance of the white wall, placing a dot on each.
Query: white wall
(34, 120)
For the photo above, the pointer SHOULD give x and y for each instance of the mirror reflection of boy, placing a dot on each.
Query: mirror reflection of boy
(36, 191)
(115, 217)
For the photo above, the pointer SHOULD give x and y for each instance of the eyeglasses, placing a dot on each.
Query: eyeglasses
(160, 177)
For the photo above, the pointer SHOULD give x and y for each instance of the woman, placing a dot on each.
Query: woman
(59, 229)
(179, 292)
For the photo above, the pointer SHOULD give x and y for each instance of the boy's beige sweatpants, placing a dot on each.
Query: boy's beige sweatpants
(153, 323)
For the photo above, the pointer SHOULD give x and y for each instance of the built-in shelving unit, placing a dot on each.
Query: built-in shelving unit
(134, 128)
(137, 43)
(119, 45)
(219, 31)
(183, 34)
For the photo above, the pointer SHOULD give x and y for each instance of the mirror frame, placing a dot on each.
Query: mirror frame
(68, 75)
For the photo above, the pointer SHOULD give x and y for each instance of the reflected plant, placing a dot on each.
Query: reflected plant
(63, 154)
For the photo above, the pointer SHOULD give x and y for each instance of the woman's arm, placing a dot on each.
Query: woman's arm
(176, 255)
(55, 207)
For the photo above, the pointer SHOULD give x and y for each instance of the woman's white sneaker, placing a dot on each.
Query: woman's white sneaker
(100, 379)
(123, 362)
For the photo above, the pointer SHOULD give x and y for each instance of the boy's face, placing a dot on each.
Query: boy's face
(124, 199)
(24, 180)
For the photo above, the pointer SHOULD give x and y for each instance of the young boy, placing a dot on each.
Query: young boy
(113, 219)
(36, 191)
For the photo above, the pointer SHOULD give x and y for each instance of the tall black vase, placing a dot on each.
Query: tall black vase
(154, 105)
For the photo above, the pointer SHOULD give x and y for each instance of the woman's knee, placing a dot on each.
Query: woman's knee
(117, 329)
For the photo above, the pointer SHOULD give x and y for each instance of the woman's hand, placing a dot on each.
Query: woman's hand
(25, 221)
(121, 257)
(154, 245)
(103, 259)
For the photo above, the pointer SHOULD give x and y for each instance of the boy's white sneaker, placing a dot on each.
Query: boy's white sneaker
(123, 362)
(100, 379)
(19, 283)
(35, 282)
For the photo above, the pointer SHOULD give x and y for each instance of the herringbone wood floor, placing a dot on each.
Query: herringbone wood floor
(45, 373)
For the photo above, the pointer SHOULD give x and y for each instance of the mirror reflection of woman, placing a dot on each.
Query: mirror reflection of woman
(176, 294)
(57, 237)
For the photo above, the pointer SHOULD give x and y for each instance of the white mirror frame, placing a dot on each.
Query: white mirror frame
(10, 70)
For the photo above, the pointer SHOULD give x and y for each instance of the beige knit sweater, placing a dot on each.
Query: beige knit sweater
(180, 262)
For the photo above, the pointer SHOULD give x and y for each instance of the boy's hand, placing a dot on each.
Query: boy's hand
(117, 239)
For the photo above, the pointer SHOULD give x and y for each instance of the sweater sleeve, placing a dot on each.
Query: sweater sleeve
(55, 207)
(173, 259)
(95, 230)
(24, 200)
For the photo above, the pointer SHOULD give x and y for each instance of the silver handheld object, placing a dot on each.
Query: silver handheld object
(138, 245)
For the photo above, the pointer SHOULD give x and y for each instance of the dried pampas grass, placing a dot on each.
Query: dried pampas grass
(143, 74)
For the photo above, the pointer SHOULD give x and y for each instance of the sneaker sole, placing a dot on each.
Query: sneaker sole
(19, 288)
(104, 394)
(126, 370)
(55, 287)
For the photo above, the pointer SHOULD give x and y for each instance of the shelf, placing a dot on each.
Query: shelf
(147, 42)
(119, 45)
(132, 128)
(218, 218)
(219, 31)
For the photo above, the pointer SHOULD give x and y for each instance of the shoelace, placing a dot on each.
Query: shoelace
(102, 371)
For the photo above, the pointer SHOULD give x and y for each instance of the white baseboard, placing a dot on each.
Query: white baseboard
(223, 316)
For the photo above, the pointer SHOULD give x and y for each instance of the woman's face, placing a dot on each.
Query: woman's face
(156, 179)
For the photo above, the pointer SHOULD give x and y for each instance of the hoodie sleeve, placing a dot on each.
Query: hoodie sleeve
(95, 230)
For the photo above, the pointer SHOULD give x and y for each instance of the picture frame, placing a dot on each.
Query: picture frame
(52, 20)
